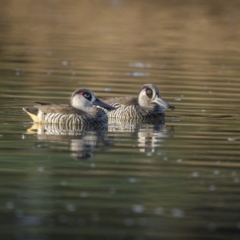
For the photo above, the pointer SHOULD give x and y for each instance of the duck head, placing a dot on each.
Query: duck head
(150, 96)
(83, 98)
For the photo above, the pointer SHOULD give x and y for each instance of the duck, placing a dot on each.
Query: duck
(147, 107)
(84, 109)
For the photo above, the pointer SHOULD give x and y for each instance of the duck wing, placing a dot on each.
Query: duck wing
(57, 108)
(127, 101)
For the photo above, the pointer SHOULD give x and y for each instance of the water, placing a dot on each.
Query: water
(178, 180)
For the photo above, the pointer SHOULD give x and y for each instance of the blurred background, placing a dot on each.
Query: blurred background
(179, 180)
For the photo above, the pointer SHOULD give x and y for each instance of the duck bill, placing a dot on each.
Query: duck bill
(99, 103)
(163, 103)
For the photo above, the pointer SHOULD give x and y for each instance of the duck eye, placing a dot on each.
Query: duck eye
(149, 93)
(87, 95)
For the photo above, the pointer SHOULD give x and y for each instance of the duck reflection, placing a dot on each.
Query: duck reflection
(150, 135)
(82, 141)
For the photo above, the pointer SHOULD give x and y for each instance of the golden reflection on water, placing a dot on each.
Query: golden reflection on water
(176, 180)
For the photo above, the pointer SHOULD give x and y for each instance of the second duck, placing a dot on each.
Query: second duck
(148, 106)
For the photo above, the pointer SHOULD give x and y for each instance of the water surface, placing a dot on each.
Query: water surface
(176, 180)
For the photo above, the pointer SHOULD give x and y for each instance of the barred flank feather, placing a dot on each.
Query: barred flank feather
(134, 112)
(69, 119)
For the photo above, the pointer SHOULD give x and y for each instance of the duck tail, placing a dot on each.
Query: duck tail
(33, 113)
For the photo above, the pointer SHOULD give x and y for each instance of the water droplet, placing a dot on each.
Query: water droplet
(64, 63)
(64, 183)
(148, 154)
(71, 207)
(212, 187)
(195, 174)
(138, 74)
(178, 212)
(138, 208)
(236, 180)
(133, 180)
(83, 194)
(40, 169)
(17, 73)
(9, 205)
(137, 64)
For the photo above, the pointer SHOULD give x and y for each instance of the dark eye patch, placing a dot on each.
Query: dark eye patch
(87, 96)
(149, 92)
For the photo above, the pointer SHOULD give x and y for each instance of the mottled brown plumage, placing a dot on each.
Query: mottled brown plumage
(148, 106)
(79, 111)
(127, 101)
(58, 108)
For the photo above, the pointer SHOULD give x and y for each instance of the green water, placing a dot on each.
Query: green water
(178, 180)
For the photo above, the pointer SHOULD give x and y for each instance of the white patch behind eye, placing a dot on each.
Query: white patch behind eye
(79, 101)
(142, 94)
(143, 99)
